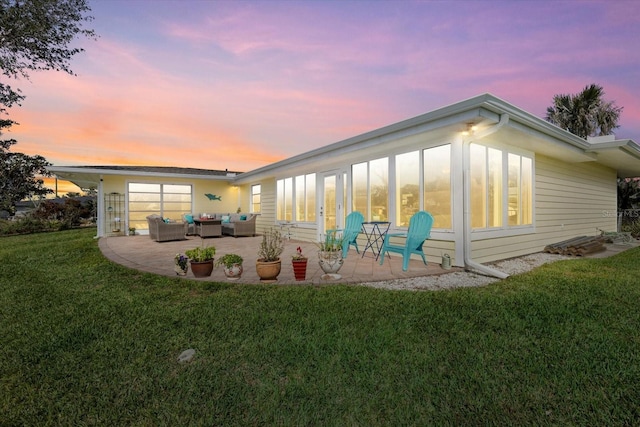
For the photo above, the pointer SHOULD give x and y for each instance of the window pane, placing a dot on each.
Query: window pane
(494, 192)
(527, 191)
(135, 187)
(520, 190)
(379, 179)
(407, 187)
(280, 200)
(478, 172)
(359, 188)
(330, 202)
(300, 199)
(288, 199)
(183, 189)
(256, 191)
(437, 185)
(176, 197)
(310, 197)
(514, 189)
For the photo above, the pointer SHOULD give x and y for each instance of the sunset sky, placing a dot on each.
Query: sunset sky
(240, 84)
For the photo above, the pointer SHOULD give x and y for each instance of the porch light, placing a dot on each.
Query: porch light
(471, 128)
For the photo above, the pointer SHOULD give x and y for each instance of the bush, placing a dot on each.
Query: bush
(28, 225)
(632, 227)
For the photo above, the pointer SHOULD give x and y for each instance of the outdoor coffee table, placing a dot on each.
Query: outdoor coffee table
(208, 227)
(375, 232)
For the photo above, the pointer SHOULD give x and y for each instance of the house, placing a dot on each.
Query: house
(499, 181)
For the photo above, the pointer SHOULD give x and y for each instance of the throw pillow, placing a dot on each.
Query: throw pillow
(167, 220)
(189, 218)
(226, 219)
(243, 217)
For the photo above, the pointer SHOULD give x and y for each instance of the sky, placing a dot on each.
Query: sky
(240, 84)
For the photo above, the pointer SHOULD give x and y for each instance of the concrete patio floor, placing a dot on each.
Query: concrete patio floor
(142, 253)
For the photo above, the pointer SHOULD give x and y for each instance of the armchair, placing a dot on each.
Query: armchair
(161, 231)
(419, 230)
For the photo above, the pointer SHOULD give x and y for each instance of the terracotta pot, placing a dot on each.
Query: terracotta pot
(299, 268)
(268, 271)
(202, 268)
(234, 272)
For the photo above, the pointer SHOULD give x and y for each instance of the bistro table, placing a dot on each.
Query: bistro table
(208, 227)
(375, 232)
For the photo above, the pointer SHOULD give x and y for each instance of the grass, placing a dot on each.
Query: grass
(84, 341)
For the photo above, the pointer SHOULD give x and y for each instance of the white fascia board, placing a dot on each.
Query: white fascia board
(106, 172)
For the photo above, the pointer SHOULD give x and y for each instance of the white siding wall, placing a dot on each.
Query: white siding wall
(571, 199)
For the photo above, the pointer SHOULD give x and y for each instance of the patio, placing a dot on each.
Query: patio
(142, 253)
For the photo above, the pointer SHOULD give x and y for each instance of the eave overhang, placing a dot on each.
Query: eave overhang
(88, 177)
(623, 155)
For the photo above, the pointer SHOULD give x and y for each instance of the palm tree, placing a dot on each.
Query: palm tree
(584, 114)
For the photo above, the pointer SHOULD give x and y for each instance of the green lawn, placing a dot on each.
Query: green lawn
(86, 342)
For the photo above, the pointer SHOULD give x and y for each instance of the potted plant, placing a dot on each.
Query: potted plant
(268, 264)
(330, 255)
(299, 262)
(181, 264)
(232, 265)
(201, 260)
(132, 231)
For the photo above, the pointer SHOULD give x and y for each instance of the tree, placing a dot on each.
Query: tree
(34, 35)
(584, 114)
(19, 178)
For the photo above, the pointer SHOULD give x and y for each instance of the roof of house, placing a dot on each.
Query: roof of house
(485, 111)
(89, 176)
(523, 129)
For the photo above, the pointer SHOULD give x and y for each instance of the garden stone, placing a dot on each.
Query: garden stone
(186, 356)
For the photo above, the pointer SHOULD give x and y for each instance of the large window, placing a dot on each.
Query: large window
(520, 203)
(370, 189)
(256, 198)
(434, 172)
(437, 184)
(168, 200)
(501, 188)
(296, 198)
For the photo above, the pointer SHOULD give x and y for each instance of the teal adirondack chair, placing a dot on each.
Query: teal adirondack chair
(349, 234)
(419, 230)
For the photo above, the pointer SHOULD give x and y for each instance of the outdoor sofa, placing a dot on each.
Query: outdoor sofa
(162, 231)
(233, 224)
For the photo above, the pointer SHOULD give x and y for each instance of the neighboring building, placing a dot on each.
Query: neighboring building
(499, 181)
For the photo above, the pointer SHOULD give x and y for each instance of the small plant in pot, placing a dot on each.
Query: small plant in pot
(299, 262)
(201, 260)
(181, 264)
(330, 256)
(232, 265)
(268, 264)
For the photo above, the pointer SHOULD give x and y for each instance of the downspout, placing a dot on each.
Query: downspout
(468, 261)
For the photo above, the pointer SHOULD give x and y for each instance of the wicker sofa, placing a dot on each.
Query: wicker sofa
(161, 231)
(236, 224)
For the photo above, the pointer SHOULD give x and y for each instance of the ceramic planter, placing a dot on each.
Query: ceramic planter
(300, 268)
(330, 262)
(180, 271)
(233, 272)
